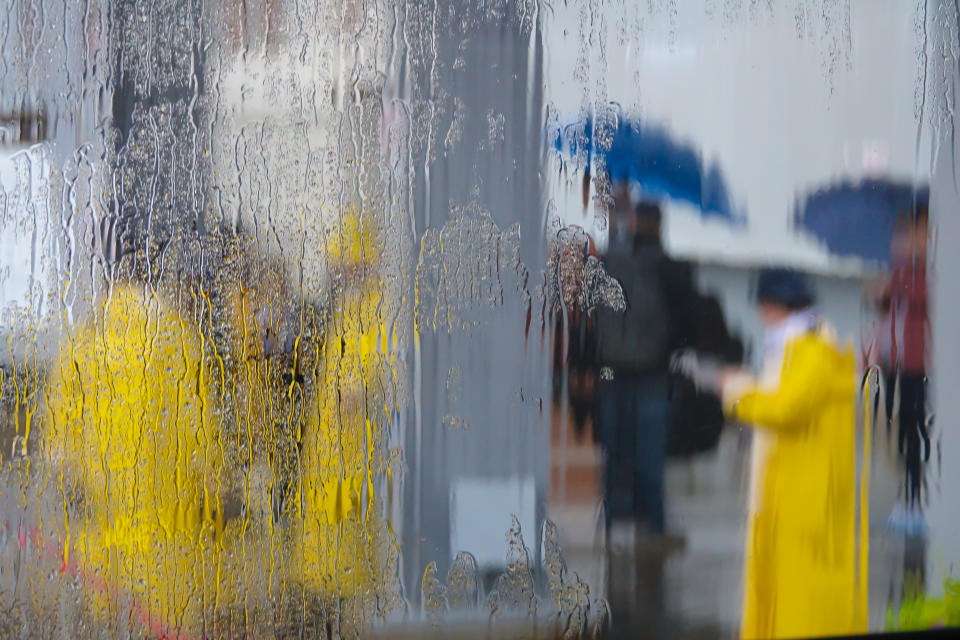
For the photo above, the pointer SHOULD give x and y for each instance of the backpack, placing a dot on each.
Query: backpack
(697, 418)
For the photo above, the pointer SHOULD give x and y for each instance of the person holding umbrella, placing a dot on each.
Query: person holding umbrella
(903, 295)
(633, 348)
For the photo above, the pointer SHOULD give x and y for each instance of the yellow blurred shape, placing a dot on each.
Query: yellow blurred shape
(801, 561)
(355, 241)
(343, 552)
(131, 421)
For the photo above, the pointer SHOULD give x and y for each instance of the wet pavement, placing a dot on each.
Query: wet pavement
(692, 586)
(687, 586)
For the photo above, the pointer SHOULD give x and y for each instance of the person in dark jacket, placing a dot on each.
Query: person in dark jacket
(633, 349)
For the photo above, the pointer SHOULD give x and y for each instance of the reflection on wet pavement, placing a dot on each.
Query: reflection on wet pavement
(694, 587)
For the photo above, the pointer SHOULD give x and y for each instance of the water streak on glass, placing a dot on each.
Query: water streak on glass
(386, 317)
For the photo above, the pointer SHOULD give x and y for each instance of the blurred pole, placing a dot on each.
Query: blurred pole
(943, 473)
(156, 66)
(475, 71)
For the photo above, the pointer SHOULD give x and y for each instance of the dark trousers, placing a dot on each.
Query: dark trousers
(632, 421)
(913, 441)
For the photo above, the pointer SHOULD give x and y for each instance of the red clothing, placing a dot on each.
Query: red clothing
(909, 319)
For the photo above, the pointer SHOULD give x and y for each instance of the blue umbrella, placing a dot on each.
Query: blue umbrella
(650, 158)
(856, 219)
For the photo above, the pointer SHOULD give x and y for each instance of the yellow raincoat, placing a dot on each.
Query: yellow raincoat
(801, 554)
(132, 435)
(341, 551)
(342, 545)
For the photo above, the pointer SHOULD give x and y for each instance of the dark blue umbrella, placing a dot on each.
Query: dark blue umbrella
(648, 157)
(856, 219)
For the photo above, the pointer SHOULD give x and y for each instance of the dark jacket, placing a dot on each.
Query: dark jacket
(660, 311)
(665, 312)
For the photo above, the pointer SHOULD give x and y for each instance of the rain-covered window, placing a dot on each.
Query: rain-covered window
(495, 317)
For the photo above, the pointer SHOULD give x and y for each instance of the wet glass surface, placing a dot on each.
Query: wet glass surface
(494, 318)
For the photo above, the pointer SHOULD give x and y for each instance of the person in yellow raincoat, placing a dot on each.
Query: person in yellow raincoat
(342, 544)
(325, 518)
(802, 575)
(133, 445)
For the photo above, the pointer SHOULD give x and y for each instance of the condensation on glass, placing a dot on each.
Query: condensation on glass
(281, 286)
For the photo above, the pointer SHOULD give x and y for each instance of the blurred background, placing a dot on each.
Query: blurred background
(394, 318)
